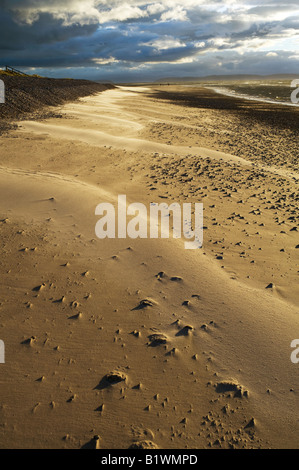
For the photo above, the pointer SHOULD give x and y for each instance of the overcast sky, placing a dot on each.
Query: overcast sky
(136, 40)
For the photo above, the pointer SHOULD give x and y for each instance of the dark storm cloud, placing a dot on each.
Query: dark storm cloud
(119, 39)
(46, 30)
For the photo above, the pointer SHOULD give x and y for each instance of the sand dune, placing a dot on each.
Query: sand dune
(123, 133)
(141, 342)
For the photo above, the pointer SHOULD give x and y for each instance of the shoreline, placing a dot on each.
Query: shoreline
(224, 92)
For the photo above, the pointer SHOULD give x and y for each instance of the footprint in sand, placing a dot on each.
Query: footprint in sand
(59, 301)
(29, 341)
(143, 445)
(160, 275)
(176, 279)
(173, 352)
(112, 378)
(40, 379)
(100, 408)
(185, 331)
(144, 304)
(137, 387)
(136, 333)
(72, 398)
(94, 443)
(230, 386)
(270, 286)
(39, 288)
(251, 424)
(157, 339)
(76, 317)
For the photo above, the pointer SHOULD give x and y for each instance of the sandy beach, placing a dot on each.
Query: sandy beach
(140, 341)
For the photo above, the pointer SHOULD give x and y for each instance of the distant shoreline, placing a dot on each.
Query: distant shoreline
(223, 91)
